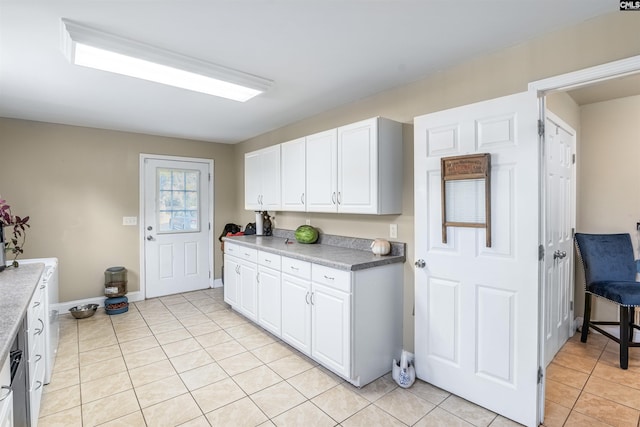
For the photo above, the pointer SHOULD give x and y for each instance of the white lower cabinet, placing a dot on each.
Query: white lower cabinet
(240, 279)
(269, 293)
(36, 324)
(6, 395)
(331, 328)
(348, 321)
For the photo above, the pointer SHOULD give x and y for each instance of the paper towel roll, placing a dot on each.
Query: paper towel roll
(259, 224)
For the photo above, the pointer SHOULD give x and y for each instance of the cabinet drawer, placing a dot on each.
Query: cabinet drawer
(241, 252)
(269, 260)
(297, 268)
(337, 279)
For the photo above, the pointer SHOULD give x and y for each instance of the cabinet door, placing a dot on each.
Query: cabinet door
(358, 167)
(252, 181)
(293, 175)
(270, 164)
(269, 300)
(331, 328)
(231, 278)
(248, 290)
(321, 165)
(296, 313)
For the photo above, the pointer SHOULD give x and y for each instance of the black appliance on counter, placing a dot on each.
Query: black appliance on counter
(18, 361)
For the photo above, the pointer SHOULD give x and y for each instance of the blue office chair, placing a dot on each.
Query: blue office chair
(610, 273)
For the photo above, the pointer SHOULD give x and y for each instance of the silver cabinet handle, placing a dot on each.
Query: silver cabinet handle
(306, 297)
(39, 385)
(36, 304)
(39, 331)
(294, 268)
(38, 358)
(329, 278)
(302, 198)
(7, 392)
(312, 303)
(339, 198)
(333, 197)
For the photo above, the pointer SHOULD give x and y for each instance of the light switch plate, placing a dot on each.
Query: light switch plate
(393, 231)
(129, 220)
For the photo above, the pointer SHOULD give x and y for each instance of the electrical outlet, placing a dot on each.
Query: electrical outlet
(307, 221)
(393, 231)
(129, 220)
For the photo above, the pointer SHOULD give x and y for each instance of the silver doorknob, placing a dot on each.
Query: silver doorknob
(420, 263)
(149, 238)
(559, 254)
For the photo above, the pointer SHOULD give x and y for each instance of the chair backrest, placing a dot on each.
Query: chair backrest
(606, 257)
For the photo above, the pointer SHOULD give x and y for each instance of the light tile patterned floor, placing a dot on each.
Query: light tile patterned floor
(188, 360)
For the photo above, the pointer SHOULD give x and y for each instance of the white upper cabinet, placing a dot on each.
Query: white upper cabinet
(262, 179)
(352, 169)
(370, 167)
(293, 175)
(322, 174)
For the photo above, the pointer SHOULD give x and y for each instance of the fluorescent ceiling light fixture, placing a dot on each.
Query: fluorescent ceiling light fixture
(92, 48)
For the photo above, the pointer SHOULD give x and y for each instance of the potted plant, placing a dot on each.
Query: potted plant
(18, 227)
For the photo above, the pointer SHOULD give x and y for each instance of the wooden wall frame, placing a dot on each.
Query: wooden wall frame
(474, 170)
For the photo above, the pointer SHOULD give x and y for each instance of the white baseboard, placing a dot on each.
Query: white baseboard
(63, 307)
(217, 283)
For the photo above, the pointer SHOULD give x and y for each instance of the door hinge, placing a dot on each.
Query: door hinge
(540, 375)
(573, 159)
(209, 226)
(571, 306)
(540, 128)
(209, 274)
(540, 253)
(209, 177)
(573, 232)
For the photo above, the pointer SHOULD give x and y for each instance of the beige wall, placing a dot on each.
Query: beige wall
(509, 71)
(77, 183)
(608, 199)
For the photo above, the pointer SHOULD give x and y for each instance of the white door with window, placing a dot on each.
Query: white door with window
(559, 153)
(177, 220)
(477, 307)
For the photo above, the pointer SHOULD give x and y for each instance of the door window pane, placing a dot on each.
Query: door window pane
(178, 200)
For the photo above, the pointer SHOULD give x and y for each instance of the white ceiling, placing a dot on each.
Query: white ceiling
(320, 54)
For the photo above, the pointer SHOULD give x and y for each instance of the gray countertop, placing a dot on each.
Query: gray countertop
(16, 289)
(345, 253)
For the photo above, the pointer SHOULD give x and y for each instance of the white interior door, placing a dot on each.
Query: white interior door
(177, 221)
(559, 154)
(476, 313)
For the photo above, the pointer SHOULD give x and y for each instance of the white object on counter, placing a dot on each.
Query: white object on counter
(380, 247)
(259, 224)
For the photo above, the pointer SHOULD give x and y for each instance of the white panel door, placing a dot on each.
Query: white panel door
(331, 328)
(358, 167)
(296, 315)
(176, 226)
(269, 300)
(322, 175)
(560, 148)
(293, 175)
(248, 289)
(476, 323)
